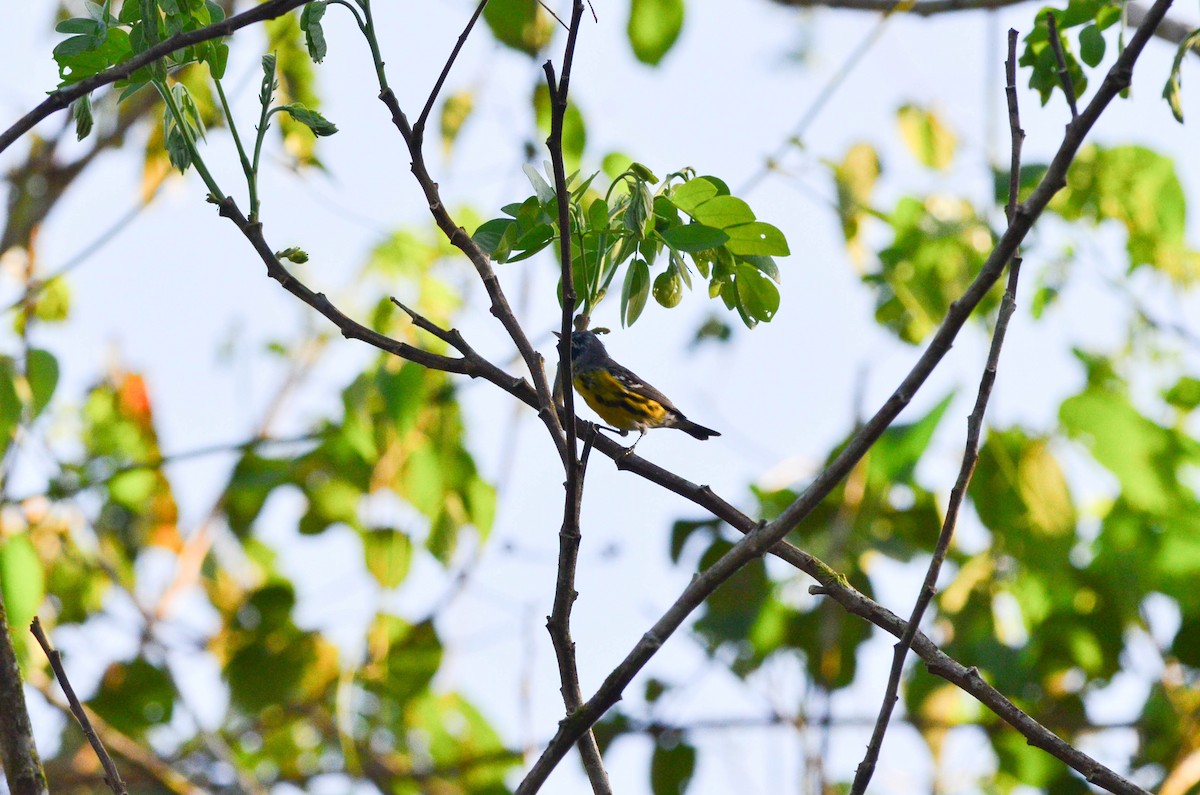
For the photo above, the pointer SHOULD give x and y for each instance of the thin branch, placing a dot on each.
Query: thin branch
(138, 756)
(866, 768)
(1170, 30)
(559, 622)
(1064, 74)
(827, 92)
(758, 541)
(111, 777)
(458, 237)
(18, 751)
(418, 129)
(63, 97)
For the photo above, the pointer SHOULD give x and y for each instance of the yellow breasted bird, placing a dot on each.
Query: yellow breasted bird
(620, 397)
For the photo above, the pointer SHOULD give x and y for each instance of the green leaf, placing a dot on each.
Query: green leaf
(81, 111)
(1140, 189)
(41, 371)
(388, 555)
(855, 177)
(1091, 45)
(930, 141)
(489, 235)
(314, 34)
(1184, 394)
(1172, 91)
(634, 291)
(1019, 490)
(520, 24)
(671, 768)
(722, 212)
(455, 112)
(894, 458)
(97, 48)
(756, 239)
(314, 121)
(654, 26)
(252, 481)
(1144, 456)
(544, 192)
(694, 237)
(615, 163)
(758, 297)
(10, 403)
(404, 658)
(22, 580)
(134, 697)
(692, 194)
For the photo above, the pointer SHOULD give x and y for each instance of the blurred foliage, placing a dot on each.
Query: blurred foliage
(1046, 597)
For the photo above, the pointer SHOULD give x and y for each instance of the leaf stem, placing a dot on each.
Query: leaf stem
(165, 92)
(251, 182)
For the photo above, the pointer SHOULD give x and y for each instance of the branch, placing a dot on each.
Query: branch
(18, 752)
(63, 97)
(418, 129)
(866, 768)
(559, 622)
(758, 541)
(1170, 30)
(1064, 74)
(124, 746)
(111, 777)
(458, 237)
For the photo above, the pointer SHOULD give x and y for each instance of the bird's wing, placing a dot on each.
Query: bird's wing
(631, 381)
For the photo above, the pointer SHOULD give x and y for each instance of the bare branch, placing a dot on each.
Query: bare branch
(500, 308)
(419, 128)
(139, 757)
(559, 622)
(866, 768)
(111, 776)
(1064, 75)
(1170, 30)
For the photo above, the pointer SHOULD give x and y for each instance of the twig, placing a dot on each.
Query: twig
(18, 751)
(758, 541)
(63, 97)
(458, 237)
(137, 755)
(822, 99)
(418, 129)
(866, 768)
(1170, 30)
(111, 777)
(1064, 74)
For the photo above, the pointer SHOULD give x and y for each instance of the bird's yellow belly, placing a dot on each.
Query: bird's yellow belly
(616, 405)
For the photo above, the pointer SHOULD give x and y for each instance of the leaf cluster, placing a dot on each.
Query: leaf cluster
(686, 225)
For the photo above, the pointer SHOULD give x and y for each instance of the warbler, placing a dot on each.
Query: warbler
(622, 399)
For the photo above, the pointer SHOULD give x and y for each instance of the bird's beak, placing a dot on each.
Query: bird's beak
(556, 334)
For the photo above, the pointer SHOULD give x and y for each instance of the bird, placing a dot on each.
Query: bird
(620, 397)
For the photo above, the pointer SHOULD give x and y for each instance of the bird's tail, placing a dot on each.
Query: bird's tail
(694, 430)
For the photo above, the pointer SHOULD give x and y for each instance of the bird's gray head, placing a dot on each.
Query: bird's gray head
(586, 347)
